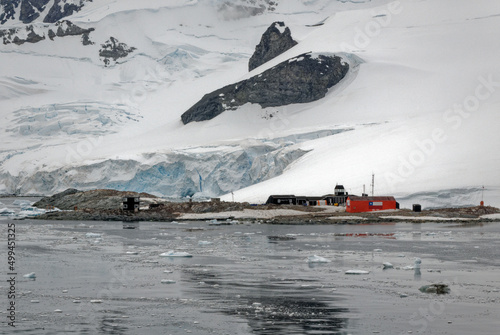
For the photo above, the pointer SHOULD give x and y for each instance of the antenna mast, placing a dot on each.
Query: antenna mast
(373, 184)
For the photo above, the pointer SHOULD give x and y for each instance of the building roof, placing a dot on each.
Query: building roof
(383, 198)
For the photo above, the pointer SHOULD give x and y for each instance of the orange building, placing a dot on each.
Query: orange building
(355, 204)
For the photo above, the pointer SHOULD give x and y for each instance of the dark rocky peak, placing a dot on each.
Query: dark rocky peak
(301, 79)
(276, 40)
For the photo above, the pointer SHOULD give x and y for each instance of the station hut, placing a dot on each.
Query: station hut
(131, 203)
(355, 204)
(282, 200)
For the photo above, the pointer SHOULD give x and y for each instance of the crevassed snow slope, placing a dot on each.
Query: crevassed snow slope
(422, 99)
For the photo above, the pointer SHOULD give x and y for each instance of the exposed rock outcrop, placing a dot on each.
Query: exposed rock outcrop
(36, 33)
(8, 10)
(237, 9)
(67, 28)
(304, 78)
(29, 10)
(27, 34)
(95, 199)
(63, 8)
(113, 50)
(276, 40)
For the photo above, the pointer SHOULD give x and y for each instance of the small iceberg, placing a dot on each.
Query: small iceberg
(6, 212)
(31, 211)
(167, 281)
(357, 272)
(22, 203)
(92, 235)
(31, 275)
(317, 259)
(417, 263)
(388, 265)
(172, 253)
(204, 243)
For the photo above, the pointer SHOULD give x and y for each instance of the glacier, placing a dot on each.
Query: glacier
(419, 111)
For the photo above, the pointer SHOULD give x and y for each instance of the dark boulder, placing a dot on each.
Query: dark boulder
(302, 79)
(276, 40)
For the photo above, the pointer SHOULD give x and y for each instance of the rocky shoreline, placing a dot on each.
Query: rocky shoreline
(105, 205)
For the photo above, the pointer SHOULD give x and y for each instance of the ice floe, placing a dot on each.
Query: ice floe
(6, 212)
(31, 275)
(388, 265)
(357, 272)
(317, 259)
(173, 253)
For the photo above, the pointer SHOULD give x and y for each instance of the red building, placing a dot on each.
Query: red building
(355, 204)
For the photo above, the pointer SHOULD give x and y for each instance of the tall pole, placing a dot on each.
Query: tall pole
(373, 184)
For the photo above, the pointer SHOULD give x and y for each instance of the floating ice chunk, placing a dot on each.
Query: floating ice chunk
(203, 243)
(377, 250)
(31, 211)
(167, 281)
(6, 211)
(35, 301)
(417, 263)
(357, 272)
(214, 222)
(57, 311)
(388, 265)
(132, 252)
(31, 275)
(21, 203)
(92, 235)
(317, 259)
(96, 301)
(172, 253)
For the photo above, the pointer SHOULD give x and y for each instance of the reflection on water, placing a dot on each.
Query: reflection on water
(112, 323)
(271, 306)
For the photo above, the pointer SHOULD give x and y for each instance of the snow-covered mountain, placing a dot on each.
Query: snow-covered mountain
(92, 93)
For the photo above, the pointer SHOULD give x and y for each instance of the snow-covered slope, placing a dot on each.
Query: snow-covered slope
(419, 108)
